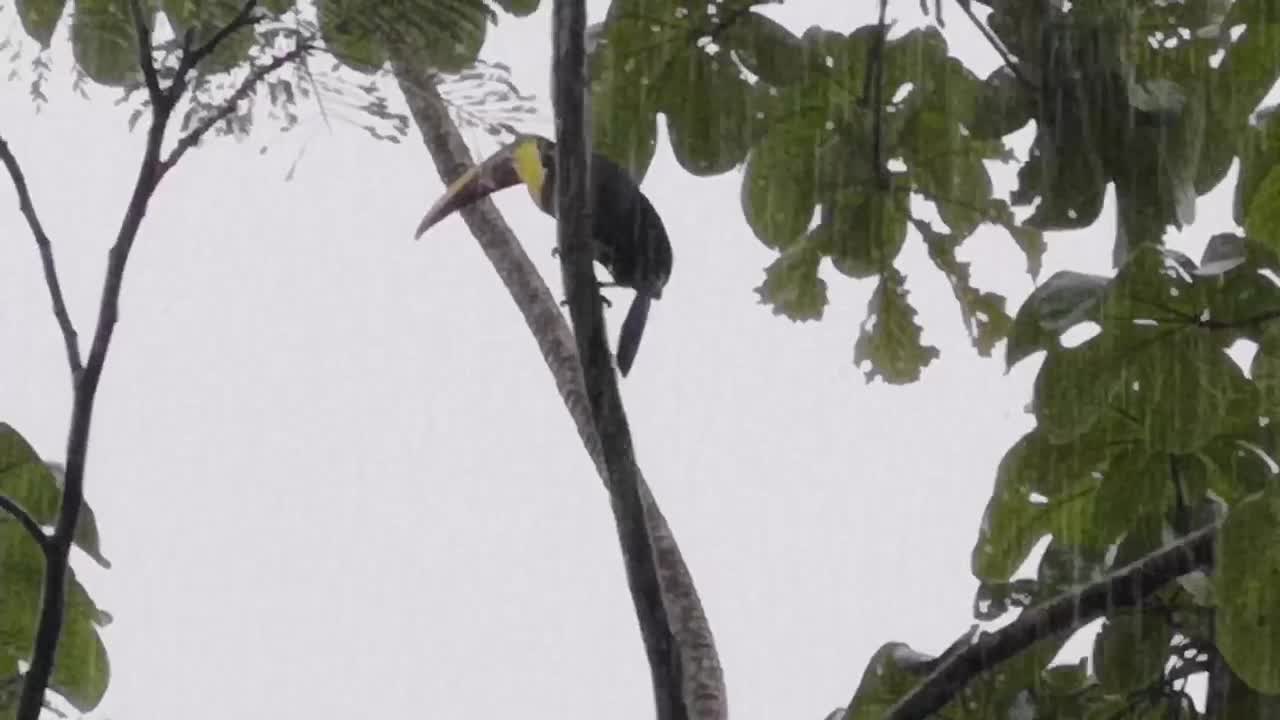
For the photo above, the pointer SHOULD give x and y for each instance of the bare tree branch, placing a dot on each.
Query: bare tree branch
(27, 522)
(576, 254)
(1125, 588)
(192, 138)
(58, 547)
(69, 338)
(142, 34)
(703, 681)
(574, 216)
(191, 59)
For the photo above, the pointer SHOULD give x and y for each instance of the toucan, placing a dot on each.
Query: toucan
(629, 238)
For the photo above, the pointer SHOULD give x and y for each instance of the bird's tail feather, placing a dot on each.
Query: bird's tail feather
(632, 330)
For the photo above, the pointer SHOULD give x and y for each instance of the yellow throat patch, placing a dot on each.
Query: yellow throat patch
(528, 161)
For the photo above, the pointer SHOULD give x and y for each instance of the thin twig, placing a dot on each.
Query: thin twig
(192, 58)
(27, 522)
(69, 338)
(1125, 588)
(58, 548)
(573, 192)
(995, 42)
(49, 627)
(142, 33)
(192, 138)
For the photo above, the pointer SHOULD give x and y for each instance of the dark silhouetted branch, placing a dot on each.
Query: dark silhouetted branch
(191, 58)
(142, 35)
(1125, 588)
(995, 43)
(58, 548)
(69, 338)
(258, 74)
(573, 203)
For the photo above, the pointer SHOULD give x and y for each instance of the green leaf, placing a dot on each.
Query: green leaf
(1066, 174)
(983, 313)
(39, 18)
(889, 339)
(102, 42)
(450, 37)
(1134, 484)
(1259, 156)
(1063, 301)
(624, 123)
(918, 57)
(1130, 651)
(348, 29)
(1069, 394)
(436, 35)
(1241, 702)
(1184, 390)
(81, 670)
(1154, 284)
(1265, 371)
(884, 681)
(862, 233)
(705, 100)
(767, 49)
(1039, 485)
(1178, 388)
(948, 169)
(792, 286)
(778, 187)
(27, 480)
(1247, 584)
(1002, 106)
(1262, 220)
(1232, 467)
(519, 8)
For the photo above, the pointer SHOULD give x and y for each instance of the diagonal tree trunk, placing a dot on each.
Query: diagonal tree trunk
(702, 681)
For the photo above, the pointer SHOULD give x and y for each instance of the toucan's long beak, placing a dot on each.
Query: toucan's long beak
(497, 172)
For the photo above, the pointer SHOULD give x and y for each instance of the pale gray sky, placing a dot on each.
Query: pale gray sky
(336, 480)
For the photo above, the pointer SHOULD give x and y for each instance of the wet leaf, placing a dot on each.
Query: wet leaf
(778, 187)
(889, 339)
(1134, 484)
(767, 49)
(862, 233)
(102, 41)
(1002, 106)
(32, 483)
(1247, 585)
(705, 100)
(519, 8)
(792, 285)
(984, 313)
(39, 18)
(1063, 301)
(1039, 486)
(1130, 651)
(624, 123)
(350, 34)
(1262, 220)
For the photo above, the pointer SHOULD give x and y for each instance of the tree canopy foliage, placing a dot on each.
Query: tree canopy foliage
(852, 144)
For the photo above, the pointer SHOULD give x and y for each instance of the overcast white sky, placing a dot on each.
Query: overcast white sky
(335, 478)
